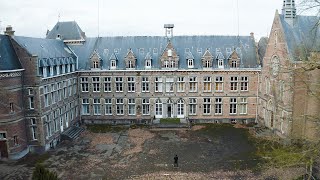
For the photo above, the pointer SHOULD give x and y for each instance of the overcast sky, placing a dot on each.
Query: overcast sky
(141, 17)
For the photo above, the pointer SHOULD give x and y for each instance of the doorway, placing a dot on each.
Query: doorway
(169, 111)
(3, 149)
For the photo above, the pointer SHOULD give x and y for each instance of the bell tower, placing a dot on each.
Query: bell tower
(169, 30)
(289, 11)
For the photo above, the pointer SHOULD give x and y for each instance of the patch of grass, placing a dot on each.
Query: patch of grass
(169, 121)
(42, 158)
(104, 128)
(141, 126)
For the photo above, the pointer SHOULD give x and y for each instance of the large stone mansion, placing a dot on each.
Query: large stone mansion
(51, 85)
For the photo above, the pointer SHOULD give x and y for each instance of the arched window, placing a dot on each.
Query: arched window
(158, 107)
(180, 107)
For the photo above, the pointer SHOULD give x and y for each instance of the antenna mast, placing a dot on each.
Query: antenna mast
(98, 18)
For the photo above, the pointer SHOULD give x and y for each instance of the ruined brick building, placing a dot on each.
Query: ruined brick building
(50, 85)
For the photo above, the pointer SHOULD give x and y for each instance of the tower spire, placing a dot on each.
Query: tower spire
(289, 11)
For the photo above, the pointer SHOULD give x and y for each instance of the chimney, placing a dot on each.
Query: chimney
(252, 35)
(9, 31)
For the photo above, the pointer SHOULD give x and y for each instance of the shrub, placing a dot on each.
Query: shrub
(41, 173)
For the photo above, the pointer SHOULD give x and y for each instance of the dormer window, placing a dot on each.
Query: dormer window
(207, 64)
(148, 63)
(130, 64)
(233, 64)
(190, 63)
(220, 63)
(95, 64)
(113, 64)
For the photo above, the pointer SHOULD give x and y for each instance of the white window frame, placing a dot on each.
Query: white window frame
(234, 83)
(207, 84)
(158, 84)
(180, 84)
(96, 106)
(243, 106)
(131, 84)
(206, 106)
(193, 85)
(119, 84)
(107, 84)
(244, 83)
(85, 108)
(145, 84)
(145, 106)
(96, 84)
(131, 107)
(233, 106)
(169, 85)
(119, 103)
(218, 106)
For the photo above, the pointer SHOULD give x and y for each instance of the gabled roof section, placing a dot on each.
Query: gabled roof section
(68, 30)
(8, 57)
(169, 46)
(148, 56)
(189, 55)
(303, 36)
(207, 54)
(219, 55)
(95, 54)
(234, 55)
(44, 48)
(156, 45)
(130, 54)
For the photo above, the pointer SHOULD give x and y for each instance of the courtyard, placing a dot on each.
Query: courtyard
(205, 152)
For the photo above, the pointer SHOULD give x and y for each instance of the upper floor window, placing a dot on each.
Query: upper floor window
(233, 83)
(169, 84)
(207, 84)
(119, 84)
(145, 84)
(193, 86)
(107, 84)
(158, 84)
(244, 83)
(96, 84)
(180, 84)
(219, 84)
(130, 64)
(84, 84)
(131, 84)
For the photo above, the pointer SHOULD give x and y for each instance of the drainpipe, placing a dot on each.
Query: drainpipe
(258, 85)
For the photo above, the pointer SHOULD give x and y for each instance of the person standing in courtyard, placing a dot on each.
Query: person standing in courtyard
(175, 161)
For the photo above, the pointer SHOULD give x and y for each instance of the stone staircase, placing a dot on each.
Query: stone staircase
(263, 132)
(72, 133)
(183, 124)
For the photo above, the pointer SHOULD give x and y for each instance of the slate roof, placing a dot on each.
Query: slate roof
(303, 34)
(45, 49)
(68, 30)
(155, 45)
(8, 57)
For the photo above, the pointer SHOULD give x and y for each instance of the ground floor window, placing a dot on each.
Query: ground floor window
(206, 106)
(243, 106)
(145, 106)
(218, 106)
(108, 107)
(233, 105)
(180, 107)
(96, 107)
(131, 107)
(85, 106)
(119, 104)
(192, 106)
(158, 107)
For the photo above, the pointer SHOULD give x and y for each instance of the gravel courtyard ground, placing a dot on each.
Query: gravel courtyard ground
(205, 152)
